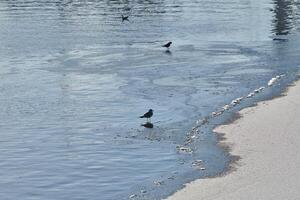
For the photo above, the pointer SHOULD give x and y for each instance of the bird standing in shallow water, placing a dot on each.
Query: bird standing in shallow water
(148, 115)
(167, 45)
(125, 18)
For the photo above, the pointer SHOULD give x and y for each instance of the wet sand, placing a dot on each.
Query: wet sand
(267, 140)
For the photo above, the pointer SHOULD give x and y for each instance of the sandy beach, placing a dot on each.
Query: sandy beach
(267, 140)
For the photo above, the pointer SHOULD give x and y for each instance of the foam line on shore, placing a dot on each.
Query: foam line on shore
(196, 129)
(266, 139)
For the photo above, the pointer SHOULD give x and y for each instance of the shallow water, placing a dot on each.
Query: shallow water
(75, 78)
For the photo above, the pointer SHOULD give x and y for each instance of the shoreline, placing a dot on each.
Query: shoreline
(263, 142)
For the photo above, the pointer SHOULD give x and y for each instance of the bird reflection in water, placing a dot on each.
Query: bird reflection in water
(147, 125)
(168, 52)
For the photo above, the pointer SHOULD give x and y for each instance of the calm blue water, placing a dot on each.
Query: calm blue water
(74, 78)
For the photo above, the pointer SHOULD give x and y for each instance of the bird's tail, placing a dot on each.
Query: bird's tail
(142, 116)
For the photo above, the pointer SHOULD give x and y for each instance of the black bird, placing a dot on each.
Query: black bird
(147, 125)
(125, 18)
(167, 45)
(148, 114)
